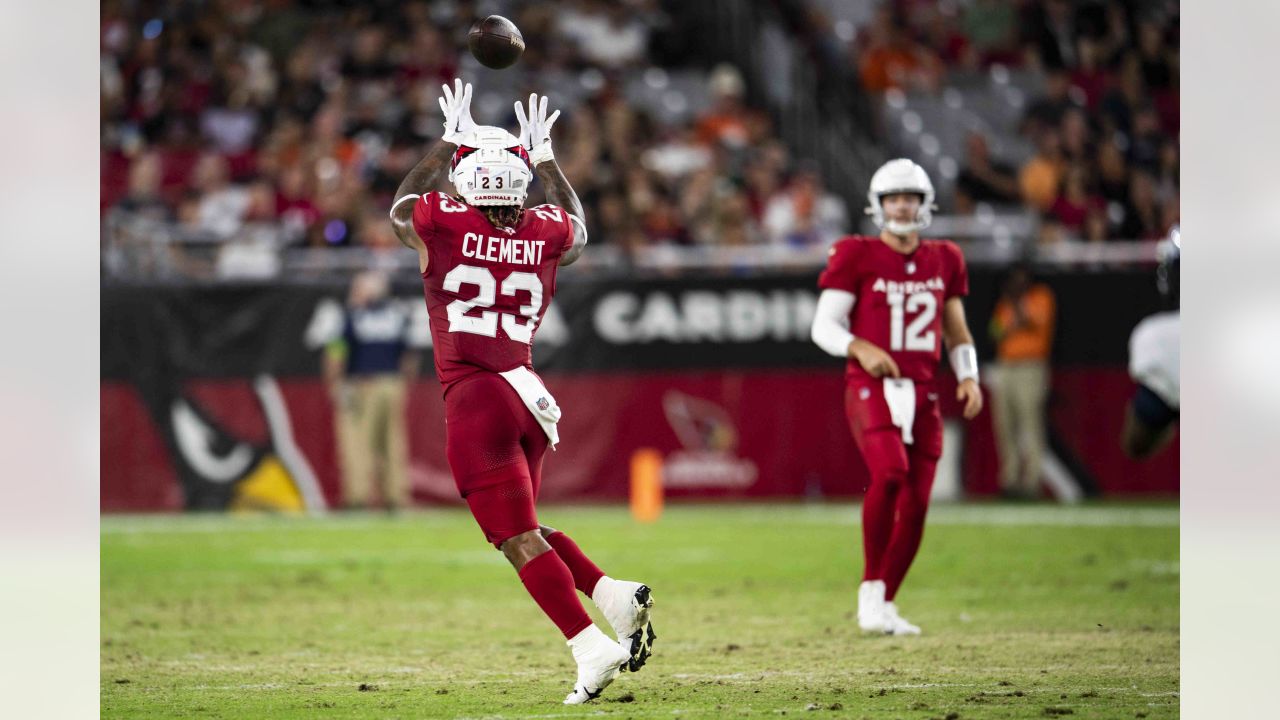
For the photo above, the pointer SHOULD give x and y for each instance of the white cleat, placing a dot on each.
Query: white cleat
(627, 606)
(895, 624)
(599, 659)
(871, 606)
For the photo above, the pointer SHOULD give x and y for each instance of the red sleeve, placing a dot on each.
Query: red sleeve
(559, 226)
(423, 222)
(958, 283)
(841, 272)
(568, 228)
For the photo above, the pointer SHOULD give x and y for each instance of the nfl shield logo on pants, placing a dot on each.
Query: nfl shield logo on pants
(542, 403)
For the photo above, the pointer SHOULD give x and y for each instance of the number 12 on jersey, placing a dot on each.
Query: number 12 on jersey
(916, 335)
(487, 322)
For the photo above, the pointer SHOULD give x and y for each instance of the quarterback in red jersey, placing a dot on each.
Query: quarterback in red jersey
(888, 303)
(489, 272)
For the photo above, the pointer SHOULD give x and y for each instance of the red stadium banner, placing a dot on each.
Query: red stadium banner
(211, 397)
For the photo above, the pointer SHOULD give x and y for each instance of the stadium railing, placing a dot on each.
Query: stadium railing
(136, 249)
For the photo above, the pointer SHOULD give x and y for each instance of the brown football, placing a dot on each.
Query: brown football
(496, 42)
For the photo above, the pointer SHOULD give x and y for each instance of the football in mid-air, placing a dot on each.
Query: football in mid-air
(496, 42)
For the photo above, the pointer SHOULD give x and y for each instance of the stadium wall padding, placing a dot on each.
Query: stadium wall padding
(716, 372)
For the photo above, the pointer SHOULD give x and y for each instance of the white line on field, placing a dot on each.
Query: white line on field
(822, 514)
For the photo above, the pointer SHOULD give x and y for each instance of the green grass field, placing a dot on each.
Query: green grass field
(1028, 611)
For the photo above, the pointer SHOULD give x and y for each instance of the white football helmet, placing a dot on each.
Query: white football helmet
(901, 176)
(491, 168)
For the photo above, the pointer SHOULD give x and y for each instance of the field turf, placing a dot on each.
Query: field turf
(1027, 611)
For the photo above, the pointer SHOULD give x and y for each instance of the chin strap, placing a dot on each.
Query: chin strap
(898, 228)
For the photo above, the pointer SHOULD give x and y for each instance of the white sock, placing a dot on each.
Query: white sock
(603, 585)
(590, 636)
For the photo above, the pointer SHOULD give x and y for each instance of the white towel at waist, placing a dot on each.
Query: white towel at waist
(900, 396)
(536, 398)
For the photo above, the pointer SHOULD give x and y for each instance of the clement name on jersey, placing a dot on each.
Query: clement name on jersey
(898, 299)
(486, 287)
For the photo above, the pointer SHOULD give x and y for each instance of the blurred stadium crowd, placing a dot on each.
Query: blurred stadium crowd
(302, 116)
(1104, 130)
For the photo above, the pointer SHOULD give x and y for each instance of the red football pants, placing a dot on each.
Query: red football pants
(495, 449)
(897, 496)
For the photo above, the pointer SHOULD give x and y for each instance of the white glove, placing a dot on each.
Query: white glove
(535, 129)
(456, 105)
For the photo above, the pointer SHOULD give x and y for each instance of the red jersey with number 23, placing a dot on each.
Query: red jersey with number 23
(898, 299)
(487, 287)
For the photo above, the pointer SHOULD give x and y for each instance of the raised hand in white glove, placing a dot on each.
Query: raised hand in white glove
(456, 105)
(535, 128)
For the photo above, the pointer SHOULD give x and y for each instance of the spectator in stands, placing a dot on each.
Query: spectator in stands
(1022, 329)
(293, 203)
(983, 180)
(608, 34)
(1142, 217)
(222, 207)
(892, 60)
(1052, 29)
(1050, 232)
(1047, 110)
(804, 214)
(1113, 174)
(1077, 139)
(1146, 140)
(1040, 177)
(1089, 78)
(1096, 227)
(143, 198)
(1167, 176)
(1074, 202)
(992, 27)
(1156, 57)
(1121, 103)
(309, 99)
(725, 123)
(368, 371)
(944, 37)
(763, 178)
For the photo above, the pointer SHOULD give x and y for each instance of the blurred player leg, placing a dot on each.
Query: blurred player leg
(908, 531)
(913, 505)
(484, 445)
(354, 453)
(626, 605)
(397, 450)
(496, 457)
(886, 459)
(885, 456)
(1003, 413)
(585, 573)
(1033, 385)
(877, 522)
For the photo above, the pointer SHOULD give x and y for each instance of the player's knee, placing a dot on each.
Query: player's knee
(522, 548)
(547, 531)
(892, 478)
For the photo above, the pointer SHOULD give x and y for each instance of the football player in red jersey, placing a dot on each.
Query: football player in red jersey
(489, 272)
(888, 303)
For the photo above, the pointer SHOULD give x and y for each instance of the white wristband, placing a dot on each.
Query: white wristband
(964, 361)
(541, 153)
(396, 204)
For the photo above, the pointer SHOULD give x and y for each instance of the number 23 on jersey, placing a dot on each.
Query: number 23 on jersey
(486, 323)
